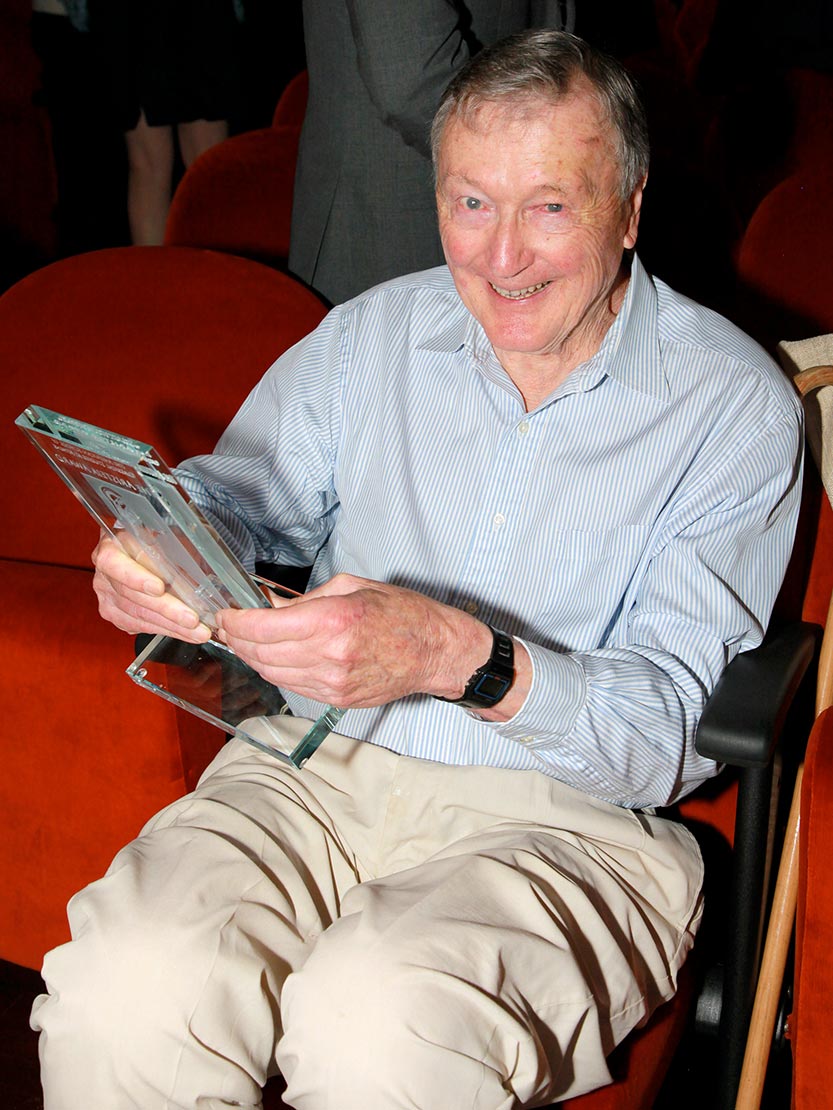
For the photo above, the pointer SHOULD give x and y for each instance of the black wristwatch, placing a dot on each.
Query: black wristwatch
(490, 682)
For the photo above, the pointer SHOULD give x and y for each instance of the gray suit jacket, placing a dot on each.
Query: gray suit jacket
(364, 199)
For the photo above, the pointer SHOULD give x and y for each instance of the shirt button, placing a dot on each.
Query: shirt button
(523, 428)
(498, 520)
(471, 607)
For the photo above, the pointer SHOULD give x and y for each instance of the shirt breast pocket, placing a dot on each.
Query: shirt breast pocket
(586, 579)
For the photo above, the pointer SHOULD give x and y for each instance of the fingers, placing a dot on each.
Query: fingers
(136, 600)
(136, 612)
(350, 642)
(304, 645)
(289, 619)
(112, 562)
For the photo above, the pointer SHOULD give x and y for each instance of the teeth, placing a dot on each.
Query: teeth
(516, 294)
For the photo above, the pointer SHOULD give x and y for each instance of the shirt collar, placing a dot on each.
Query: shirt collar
(629, 352)
(456, 334)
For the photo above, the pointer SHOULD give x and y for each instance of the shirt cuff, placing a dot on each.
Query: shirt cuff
(555, 699)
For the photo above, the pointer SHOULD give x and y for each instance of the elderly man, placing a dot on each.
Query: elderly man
(547, 500)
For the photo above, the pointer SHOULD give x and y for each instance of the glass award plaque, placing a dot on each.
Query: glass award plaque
(133, 495)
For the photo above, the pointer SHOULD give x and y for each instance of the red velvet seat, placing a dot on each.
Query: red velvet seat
(162, 343)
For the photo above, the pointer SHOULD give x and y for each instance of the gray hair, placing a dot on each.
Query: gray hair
(544, 65)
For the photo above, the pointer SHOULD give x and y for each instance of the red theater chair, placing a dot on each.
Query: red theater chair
(785, 260)
(162, 343)
(756, 722)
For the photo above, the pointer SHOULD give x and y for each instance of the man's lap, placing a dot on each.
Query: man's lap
(385, 881)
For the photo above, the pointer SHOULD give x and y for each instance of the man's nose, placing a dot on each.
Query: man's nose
(510, 251)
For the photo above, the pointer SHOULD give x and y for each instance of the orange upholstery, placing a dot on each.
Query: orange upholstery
(162, 343)
(237, 196)
(87, 758)
(810, 1020)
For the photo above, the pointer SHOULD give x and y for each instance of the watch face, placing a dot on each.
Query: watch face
(492, 686)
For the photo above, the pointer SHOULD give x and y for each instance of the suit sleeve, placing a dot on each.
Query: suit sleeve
(407, 53)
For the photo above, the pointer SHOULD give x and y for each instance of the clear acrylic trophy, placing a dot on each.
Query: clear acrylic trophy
(130, 491)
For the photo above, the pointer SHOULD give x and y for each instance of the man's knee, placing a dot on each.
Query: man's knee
(383, 1029)
(111, 980)
(132, 954)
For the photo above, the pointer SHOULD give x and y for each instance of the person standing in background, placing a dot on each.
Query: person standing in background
(364, 208)
(176, 79)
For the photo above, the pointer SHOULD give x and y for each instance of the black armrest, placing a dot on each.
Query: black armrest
(741, 725)
(742, 720)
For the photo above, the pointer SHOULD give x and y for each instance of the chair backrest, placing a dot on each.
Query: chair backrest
(160, 343)
(785, 260)
(237, 197)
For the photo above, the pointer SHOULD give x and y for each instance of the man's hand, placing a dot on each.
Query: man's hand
(354, 642)
(136, 600)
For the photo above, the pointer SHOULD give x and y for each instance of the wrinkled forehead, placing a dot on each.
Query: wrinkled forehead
(488, 119)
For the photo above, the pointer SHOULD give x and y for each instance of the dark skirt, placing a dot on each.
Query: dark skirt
(174, 60)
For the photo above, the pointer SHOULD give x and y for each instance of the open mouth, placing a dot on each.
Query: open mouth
(519, 294)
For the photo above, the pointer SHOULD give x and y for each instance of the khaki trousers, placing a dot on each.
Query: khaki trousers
(386, 932)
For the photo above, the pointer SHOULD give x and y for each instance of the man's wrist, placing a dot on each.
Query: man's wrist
(492, 681)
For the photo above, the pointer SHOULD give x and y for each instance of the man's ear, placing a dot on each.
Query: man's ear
(634, 207)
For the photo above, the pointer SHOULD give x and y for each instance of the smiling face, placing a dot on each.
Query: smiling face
(533, 227)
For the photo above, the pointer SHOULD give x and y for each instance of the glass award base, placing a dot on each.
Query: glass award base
(211, 682)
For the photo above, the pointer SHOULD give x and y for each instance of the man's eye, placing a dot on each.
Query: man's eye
(472, 204)
(553, 208)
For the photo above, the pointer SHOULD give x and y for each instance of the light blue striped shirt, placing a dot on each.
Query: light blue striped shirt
(632, 530)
